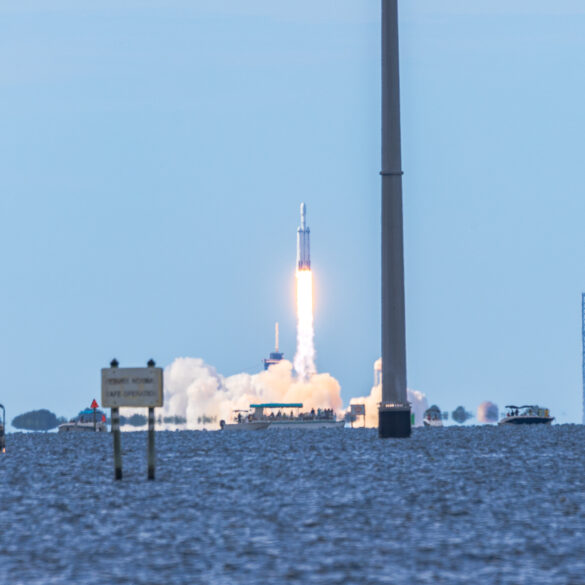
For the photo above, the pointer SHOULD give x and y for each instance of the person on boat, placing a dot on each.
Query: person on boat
(239, 417)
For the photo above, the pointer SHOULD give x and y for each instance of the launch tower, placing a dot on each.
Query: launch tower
(276, 355)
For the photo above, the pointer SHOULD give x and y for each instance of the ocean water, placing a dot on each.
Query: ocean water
(453, 505)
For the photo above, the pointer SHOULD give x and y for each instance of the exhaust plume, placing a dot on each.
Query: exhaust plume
(417, 399)
(196, 391)
(305, 356)
(487, 412)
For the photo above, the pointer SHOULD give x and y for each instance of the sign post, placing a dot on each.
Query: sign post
(134, 387)
(115, 416)
(151, 453)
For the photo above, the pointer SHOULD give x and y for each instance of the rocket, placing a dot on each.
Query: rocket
(303, 242)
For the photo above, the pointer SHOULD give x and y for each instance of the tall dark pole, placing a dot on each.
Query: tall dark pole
(3, 431)
(394, 413)
(583, 349)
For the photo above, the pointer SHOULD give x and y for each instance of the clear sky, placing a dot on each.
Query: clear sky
(153, 156)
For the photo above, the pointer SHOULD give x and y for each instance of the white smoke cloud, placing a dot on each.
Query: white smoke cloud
(194, 390)
(417, 399)
(487, 412)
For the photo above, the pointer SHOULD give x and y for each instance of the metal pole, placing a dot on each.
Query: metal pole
(94, 420)
(151, 454)
(117, 443)
(394, 414)
(3, 430)
(583, 352)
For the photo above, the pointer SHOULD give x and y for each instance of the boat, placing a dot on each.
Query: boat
(528, 414)
(433, 417)
(256, 418)
(84, 422)
(243, 421)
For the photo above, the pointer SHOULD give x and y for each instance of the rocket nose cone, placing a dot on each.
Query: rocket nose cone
(303, 214)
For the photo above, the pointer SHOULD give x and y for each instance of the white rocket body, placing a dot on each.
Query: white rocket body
(303, 242)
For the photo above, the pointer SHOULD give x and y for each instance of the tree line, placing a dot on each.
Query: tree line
(45, 420)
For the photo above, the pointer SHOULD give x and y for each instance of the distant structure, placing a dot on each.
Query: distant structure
(460, 415)
(487, 412)
(378, 372)
(276, 355)
(583, 349)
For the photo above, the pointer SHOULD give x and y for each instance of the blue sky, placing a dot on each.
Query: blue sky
(153, 157)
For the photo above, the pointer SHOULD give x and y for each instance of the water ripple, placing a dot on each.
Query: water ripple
(453, 505)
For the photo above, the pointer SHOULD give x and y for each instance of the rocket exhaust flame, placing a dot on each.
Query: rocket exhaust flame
(305, 357)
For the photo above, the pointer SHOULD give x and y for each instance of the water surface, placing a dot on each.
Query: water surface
(453, 505)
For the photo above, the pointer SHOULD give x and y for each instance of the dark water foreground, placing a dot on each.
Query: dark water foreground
(457, 505)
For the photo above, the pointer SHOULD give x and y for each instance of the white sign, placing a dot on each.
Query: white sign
(138, 387)
(358, 409)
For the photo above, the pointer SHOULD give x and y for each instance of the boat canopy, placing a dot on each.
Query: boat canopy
(278, 405)
(523, 406)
